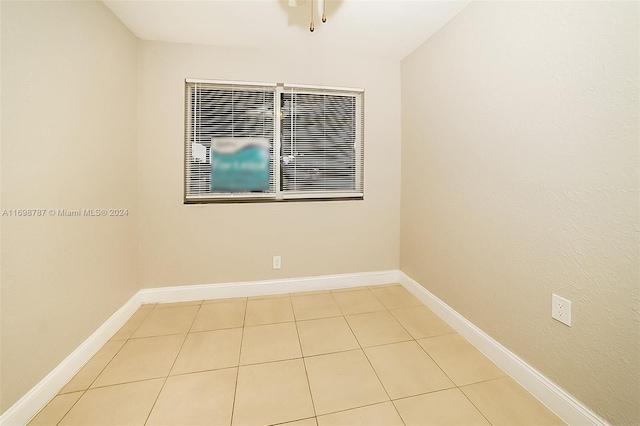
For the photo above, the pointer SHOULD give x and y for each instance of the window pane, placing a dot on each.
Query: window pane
(319, 151)
(230, 140)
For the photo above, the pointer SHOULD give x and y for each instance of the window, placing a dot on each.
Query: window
(256, 141)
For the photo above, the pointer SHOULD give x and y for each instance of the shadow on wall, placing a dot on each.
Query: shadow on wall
(299, 11)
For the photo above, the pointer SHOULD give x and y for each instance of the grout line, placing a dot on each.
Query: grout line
(157, 335)
(380, 380)
(84, 391)
(304, 364)
(110, 385)
(213, 330)
(361, 406)
(367, 312)
(441, 369)
(349, 289)
(99, 373)
(67, 412)
(425, 393)
(270, 362)
(389, 344)
(336, 302)
(293, 421)
(208, 370)
(320, 318)
(435, 362)
(371, 365)
(172, 305)
(474, 405)
(173, 363)
(367, 357)
(235, 388)
(333, 294)
(361, 348)
(489, 380)
(379, 299)
(146, 317)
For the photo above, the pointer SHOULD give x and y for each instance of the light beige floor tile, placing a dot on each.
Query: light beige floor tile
(209, 350)
(463, 363)
(141, 359)
(126, 404)
(196, 399)
(377, 328)
(327, 335)
(218, 316)
(447, 407)
(504, 402)
(420, 322)
(342, 290)
(178, 304)
(270, 342)
(132, 324)
(315, 306)
(310, 293)
(227, 300)
(342, 381)
(357, 302)
(270, 393)
(94, 367)
(55, 410)
(269, 296)
(304, 422)
(383, 414)
(371, 287)
(161, 322)
(406, 370)
(269, 311)
(395, 297)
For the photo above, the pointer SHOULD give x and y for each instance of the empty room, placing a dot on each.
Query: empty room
(320, 212)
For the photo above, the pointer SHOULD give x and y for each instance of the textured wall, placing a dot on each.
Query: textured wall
(199, 244)
(69, 90)
(520, 179)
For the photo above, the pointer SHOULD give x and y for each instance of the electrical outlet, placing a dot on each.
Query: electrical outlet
(561, 309)
(277, 262)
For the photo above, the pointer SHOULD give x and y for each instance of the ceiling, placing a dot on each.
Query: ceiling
(382, 28)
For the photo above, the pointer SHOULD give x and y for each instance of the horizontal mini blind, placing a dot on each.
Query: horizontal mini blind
(229, 140)
(261, 141)
(322, 143)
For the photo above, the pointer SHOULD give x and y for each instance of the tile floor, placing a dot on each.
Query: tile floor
(360, 356)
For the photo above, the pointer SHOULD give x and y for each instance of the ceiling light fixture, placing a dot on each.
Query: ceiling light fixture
(312, 25)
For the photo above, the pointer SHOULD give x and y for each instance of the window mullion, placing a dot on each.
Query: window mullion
(277, 140)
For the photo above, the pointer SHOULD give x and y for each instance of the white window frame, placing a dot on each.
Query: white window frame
(278, 194)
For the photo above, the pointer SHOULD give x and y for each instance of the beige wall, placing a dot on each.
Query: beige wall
(200, 244)
(520, 179)
(69, 106)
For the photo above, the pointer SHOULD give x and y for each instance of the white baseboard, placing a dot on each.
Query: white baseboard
(554, 397)
(30, 404)
(261, 288)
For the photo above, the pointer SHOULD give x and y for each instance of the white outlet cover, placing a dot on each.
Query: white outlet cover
(561, 309)
(277, 262)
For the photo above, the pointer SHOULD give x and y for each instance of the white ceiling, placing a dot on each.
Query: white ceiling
(383, 28)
